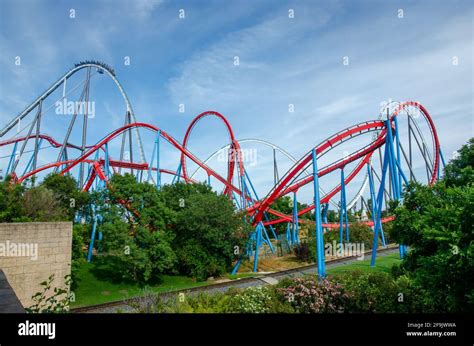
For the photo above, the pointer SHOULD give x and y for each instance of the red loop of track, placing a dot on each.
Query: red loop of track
(234, 149)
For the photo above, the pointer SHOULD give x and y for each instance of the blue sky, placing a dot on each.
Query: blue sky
(283, 61)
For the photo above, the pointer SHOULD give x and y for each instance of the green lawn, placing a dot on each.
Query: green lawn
(96, 285)
(91, 290)
(383, 264)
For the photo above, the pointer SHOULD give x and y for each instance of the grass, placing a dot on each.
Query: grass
(97, 285)
(382, 264)
(92, 290)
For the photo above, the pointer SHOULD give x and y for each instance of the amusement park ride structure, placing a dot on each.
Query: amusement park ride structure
(382, 181)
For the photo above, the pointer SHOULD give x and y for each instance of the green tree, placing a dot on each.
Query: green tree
(136, 241)
(436, 223)
(459, 171)
(12, 208)
(40, 204)
(207, 231)
(65, 190)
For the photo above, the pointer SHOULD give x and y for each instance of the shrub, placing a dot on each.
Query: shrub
(360, 233)
(369, 292)
(252, 300)
(56, 301)
(303, 252)
(141, 257)
(311, 296)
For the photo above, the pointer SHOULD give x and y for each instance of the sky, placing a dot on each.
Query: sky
(332, 62)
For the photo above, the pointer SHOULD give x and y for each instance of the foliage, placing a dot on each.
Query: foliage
(19, 204)
(45, 302)
(360, 233)
(142, 200)
(207, 229)
(459, 171)
(40, 204)
(141, 257)
(369, 291)
(66, 192)
(12, 208)
(139, 250)
(252, 300)
(303, 252)
(311, 296)
(436, 223)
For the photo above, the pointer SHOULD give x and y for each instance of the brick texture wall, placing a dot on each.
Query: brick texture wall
(54, 241)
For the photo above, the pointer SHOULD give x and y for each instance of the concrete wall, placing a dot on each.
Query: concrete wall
(31, 252)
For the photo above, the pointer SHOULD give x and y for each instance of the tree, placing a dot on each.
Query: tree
(40, 204)
(460, 171)
(12, 208)
(19, 204)
(208, 229)
(436, 223)
(139, 249)
(65, 190)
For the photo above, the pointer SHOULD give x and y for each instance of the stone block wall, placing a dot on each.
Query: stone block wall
(30, 252)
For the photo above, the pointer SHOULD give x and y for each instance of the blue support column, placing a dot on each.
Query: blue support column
(177, 175)
(397, 172)
(442, 161)
(344, 221)
(106, 163)
(325, 213)
(30, 162)
(158, 172)
(236, 267)
(378, 210)
(243, 188)
(317, 216)
(12, 159)
(266, 239)
(392, 159)
(265, 214)
(235, 200)
(374, 203)
(398, 158)
(288, 233)
(258, 237)
(91, 244)
(294, 230)
(442, 157)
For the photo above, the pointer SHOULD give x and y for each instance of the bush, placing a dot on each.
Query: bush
(369, 292)
(360, 233)
(252, 300)
(311, 296)
(140, 258)
(303, 252)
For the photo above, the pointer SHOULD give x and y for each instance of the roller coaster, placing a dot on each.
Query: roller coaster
(381, 156)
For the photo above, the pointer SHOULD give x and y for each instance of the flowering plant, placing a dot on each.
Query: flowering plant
(310, 296)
